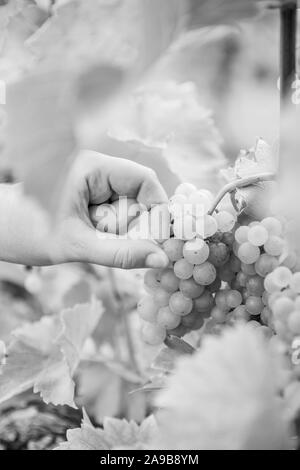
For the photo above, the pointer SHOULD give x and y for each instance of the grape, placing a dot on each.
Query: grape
(266, 264)
(258, 235)
(159, 223)
(190, 288)
(183, 269)
(218, 254)
(242, 279)
(255, 285)
(282, 276)
(270, 285)
(161, 297)
(204, 273)
(226, 221)
(266, 331)
(169, 281)
(228, 238)
(198, 323)
(196, 251)
(152, 278)
(173, 248)
(204, 303)
(254, 324)
(210, 226)
(179, 199)
(253, 223)
(235, 264)
(248, 253)
(273, 225)
(273, 298)
(266, 316)
(290, 261)
(218, 315)
(241, 234)
(215, 286)
(193, 318)
(282, 306)
(254, 305)
(221, 300)
(265, 297)
(236, 286)
(180, 331)
(186, 189)
(147, 309)
(297, 303)
(167, 318)
(294, 322)
(290, 293)
(295, 283)
(248, 269)
(201, 200)
(225, 273)
(274, 245)
(235, 248)
(184, 228)
(217, 237)
(240, 313)
(179, 304)
(153, 334)
(233, 298)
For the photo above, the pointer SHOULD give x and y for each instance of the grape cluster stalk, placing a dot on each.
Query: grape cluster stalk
(222, 272)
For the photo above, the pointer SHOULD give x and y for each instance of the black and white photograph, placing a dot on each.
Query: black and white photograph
(149, 228)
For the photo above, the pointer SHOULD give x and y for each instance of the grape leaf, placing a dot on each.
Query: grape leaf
(40, 140)
(165, 360)
(116, 32)
(212, 12)
(259, 159)
(45, 354)
(239, 369)
(168, 116)
(17, 307)
(79, 293)
(179, 345)
(116, 434)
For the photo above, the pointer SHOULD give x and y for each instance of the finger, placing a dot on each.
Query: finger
(115, 217)
(108, 175)
(120, 253)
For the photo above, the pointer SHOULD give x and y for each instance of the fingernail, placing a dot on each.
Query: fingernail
(157, 260)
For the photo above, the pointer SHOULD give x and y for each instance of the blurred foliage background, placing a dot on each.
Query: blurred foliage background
(121, 80)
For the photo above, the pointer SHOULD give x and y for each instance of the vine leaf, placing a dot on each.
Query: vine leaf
(169, 117)
(212, 12)
(116, 434)
(258, 159)
(166, 359)
(40, 142)
(255, 416)
(45, 354)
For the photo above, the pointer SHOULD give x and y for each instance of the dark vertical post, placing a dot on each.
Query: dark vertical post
(288, 26)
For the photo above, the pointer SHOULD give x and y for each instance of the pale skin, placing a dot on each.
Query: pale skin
(27, 238)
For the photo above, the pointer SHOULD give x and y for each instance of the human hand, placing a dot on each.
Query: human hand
(96, 179)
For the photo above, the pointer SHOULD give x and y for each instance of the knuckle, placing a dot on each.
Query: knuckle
(124, 258)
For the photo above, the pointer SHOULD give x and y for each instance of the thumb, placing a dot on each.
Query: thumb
(109, 250)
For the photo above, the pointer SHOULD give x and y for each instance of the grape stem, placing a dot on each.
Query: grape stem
(239, 183)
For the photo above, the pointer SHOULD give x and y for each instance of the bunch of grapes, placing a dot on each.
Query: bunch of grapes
(220, 272)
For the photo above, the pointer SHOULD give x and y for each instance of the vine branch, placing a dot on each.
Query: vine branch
(240, 183)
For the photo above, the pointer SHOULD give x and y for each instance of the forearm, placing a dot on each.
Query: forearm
(24, 229)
